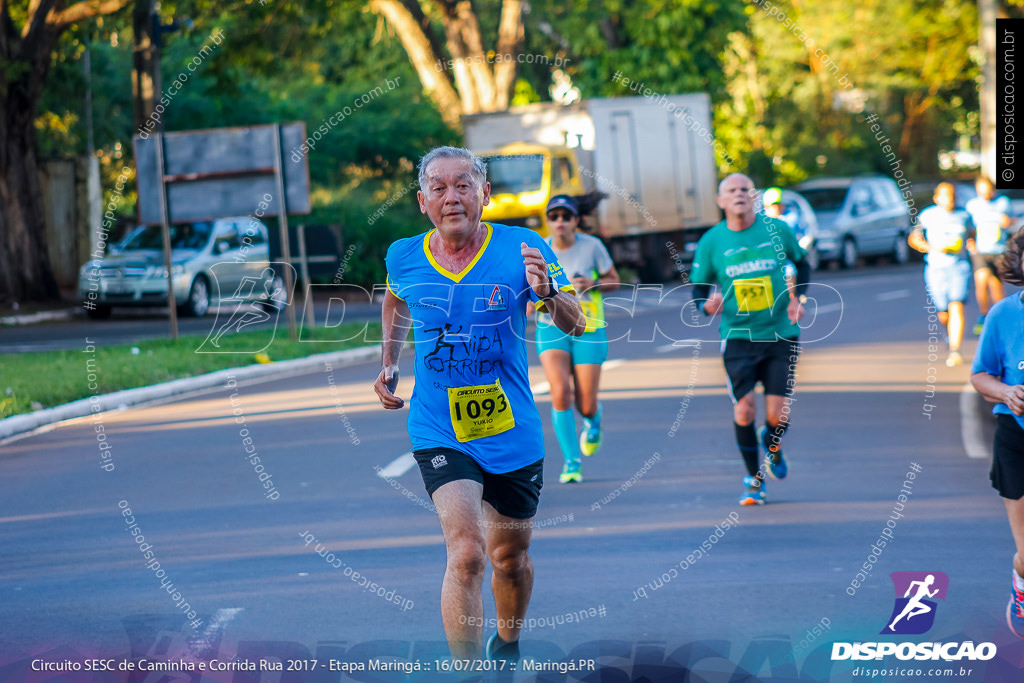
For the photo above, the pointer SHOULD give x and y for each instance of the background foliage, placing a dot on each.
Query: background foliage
(780, 112)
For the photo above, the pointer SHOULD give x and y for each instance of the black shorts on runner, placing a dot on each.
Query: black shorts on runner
(983, 261)
(772, 363)
(1007, 473)
(513, 494)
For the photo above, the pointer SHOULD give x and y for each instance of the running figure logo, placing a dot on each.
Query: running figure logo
(914, 613)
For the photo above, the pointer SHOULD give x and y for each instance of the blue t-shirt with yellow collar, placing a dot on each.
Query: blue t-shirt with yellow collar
(472, 389)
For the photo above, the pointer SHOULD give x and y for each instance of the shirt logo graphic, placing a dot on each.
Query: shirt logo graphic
(439, 461)
(497, 301)
(914, 613)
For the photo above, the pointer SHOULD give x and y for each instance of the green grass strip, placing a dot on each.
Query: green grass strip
(44, 379)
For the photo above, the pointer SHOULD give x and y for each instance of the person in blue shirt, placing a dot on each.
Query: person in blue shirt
(942, 234)
(476, 433)
(991, 217)
(998, 375)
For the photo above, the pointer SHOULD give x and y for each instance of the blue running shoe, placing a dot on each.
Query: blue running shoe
(497, 649)
(777, 468)
(1015, 610)
(754, 491)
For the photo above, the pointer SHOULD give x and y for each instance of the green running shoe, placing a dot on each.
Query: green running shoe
(571, 473)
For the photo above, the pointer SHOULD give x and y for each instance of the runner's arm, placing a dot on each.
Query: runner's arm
(995, 390)
(917, 241)
(565, 311)
(607, 277)
(608, 282)
(561, 305)
(709, 304)
(395, 324)
(803, 276)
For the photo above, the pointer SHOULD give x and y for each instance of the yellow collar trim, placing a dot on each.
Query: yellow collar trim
(465, 271)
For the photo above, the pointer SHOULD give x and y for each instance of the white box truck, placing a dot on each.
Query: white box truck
(651, 156)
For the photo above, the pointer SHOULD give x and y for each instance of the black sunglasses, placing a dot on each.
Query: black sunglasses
(563, 215)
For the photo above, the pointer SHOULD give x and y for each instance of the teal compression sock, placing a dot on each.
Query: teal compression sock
(564, 422)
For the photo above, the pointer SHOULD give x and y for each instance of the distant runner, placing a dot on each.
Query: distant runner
(998, 375)
(576, 361)
(991, 217)
(746, 255)
(474, 426)
(942, 235)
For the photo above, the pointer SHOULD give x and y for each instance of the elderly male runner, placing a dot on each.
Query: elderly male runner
(746, 255)
(474, 426)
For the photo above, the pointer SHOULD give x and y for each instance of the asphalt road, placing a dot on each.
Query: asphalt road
(621, 577)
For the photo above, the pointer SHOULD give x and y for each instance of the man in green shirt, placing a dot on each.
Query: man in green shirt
(746, 256)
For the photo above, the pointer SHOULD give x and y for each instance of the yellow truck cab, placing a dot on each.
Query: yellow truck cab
(523, 177)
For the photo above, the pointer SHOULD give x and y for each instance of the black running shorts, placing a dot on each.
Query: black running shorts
(772, 363)
(986, 262)
(1008, 458)
(513, 494)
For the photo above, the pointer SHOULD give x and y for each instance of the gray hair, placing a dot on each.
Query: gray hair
(479, 171)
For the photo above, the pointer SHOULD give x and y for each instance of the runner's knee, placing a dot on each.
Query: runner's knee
(510, 560)
(587, 404)
(744, 412)
(561, 396)
(467, 558)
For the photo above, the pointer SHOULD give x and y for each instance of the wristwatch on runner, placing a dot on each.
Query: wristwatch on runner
(552, 291)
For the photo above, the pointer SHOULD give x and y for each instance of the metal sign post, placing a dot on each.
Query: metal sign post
(165, 232)
(203, 175)
(282, 213)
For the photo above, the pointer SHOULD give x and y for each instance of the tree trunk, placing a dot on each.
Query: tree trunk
(510, 42)
(423, 58)
(25, 54)
(25, 272)
(474, 85)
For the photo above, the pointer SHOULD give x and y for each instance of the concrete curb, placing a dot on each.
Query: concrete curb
(19, 424)
(40, 317)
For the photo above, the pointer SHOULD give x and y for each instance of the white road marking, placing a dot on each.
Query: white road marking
(200, 646)
(894, 294)
(680, 344)
(970, 426)
(540, 388)
(828, 308)
(614, 363)
(398, 466)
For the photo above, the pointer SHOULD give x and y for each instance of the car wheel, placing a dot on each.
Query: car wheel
(99, 312)
(901, 250)
(198, 298)
(278, 297)
(849, 255)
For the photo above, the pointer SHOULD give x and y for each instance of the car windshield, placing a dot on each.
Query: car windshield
(183, 236)
(825, 198)
(515, 174)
